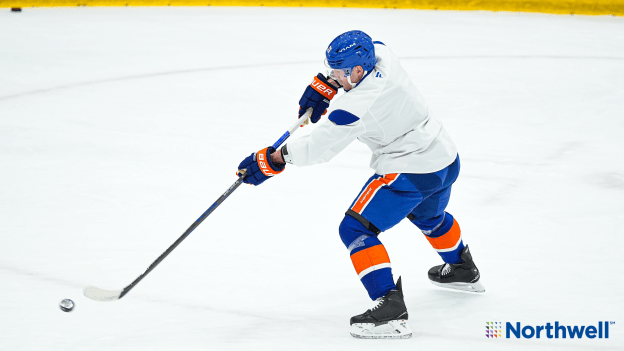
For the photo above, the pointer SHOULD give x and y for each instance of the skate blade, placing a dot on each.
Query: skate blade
(471, 287)
(396, 329)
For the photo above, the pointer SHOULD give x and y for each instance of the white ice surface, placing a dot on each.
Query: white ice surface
(120, 126)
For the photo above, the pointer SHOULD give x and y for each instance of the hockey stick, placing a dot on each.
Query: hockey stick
(98, 294)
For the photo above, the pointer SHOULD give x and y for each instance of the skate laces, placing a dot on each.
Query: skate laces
(446, 269)
(378, 303)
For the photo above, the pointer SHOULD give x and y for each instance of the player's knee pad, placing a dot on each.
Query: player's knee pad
(369, 257)
(429, 225)
(352, 232)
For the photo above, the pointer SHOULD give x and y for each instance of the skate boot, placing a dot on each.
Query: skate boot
(387, 320)
(460, 276)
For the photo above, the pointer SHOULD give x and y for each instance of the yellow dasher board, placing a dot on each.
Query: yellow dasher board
(579, 7)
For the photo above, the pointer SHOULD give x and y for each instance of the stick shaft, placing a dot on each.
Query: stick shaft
(292, 129)
(211, 209)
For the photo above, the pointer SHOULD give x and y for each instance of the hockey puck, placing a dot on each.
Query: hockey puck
(66, 305)
(16, 9)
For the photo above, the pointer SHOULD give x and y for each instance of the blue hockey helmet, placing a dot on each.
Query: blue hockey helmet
(350, 49)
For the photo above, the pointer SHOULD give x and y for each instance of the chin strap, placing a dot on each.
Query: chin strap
(354, 84)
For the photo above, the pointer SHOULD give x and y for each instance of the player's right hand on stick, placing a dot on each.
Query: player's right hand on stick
(317, 95)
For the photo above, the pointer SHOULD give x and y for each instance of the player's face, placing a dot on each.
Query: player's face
(341, 76)
(337, 74)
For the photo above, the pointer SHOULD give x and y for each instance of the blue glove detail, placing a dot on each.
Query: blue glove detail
(259, 166)
(317, 95)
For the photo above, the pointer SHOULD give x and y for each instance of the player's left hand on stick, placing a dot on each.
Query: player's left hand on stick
(260, 167)
(317, 95)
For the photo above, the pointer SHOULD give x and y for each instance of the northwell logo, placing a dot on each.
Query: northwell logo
(493, 329)
(550, 331)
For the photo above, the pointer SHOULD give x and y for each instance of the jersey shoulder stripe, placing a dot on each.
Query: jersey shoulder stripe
(342, 117)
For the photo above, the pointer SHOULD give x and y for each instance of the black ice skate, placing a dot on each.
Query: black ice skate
(460, 276)
(387, 320)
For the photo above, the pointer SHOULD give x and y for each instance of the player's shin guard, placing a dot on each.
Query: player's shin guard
(369, 257)
(444, 236)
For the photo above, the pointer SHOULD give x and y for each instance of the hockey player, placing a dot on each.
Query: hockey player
(415, 163)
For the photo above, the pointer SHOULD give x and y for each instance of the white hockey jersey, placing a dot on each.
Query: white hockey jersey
(385, 111)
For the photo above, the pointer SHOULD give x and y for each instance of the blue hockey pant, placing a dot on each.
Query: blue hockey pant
(384, 201)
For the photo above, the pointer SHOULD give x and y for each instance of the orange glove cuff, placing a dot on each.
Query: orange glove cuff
(263, 157)
(323, 89)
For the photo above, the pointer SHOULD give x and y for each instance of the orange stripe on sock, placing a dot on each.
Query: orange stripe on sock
(369, 257)
(367, 194)
(447, 240)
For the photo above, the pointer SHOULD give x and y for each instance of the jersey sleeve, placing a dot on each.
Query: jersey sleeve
(327, 140)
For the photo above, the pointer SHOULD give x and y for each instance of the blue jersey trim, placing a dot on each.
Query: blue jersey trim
(378, 42)
(342, 117)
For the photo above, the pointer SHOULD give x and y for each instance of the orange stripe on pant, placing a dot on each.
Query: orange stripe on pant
(370, 257)
(370, 190)
(448, 240)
